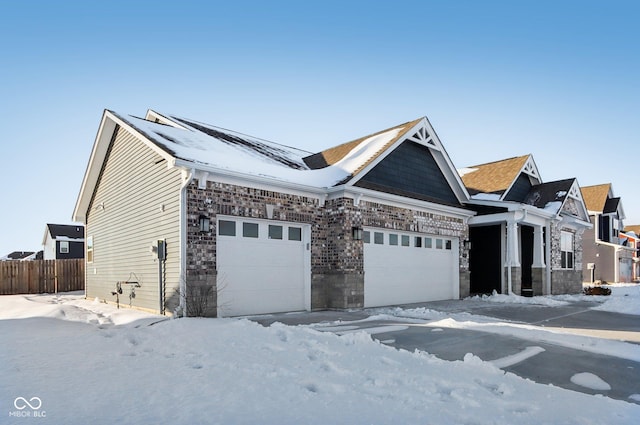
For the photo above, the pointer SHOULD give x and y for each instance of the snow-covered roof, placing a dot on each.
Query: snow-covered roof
(205, 146)
(63, 232)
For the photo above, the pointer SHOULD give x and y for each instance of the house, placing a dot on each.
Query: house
(633, 242)
(526, 238)
(606, 256)
(187, 217)
(63, 241)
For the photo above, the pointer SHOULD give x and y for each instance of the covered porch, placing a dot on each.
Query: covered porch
(508, 251)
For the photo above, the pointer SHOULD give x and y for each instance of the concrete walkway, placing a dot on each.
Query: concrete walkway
(543, 362)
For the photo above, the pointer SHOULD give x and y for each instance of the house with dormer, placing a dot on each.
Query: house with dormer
(526, 237)
(608, 257)
(182, 216)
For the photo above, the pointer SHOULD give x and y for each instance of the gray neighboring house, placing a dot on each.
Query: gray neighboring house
(607, 256)
(186, 217)
(63, 241)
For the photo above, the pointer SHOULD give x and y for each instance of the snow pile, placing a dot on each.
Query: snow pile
(86, 369)
(517, 299)
(624, 298)
(589, 380)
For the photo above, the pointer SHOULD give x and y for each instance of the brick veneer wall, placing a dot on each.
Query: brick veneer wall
(337, 263)
(565, 281)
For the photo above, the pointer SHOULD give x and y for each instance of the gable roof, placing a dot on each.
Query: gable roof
(497, 177)
(335, 154)
(552, 196)
(75, 231)
(595, 197)
(194, 145)
(549, 195)
(68, 232)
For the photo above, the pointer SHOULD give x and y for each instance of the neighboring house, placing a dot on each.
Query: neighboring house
(18, 255)
(633, 241)
(526, 238)
(185, 216)
(606, 256)
(632, 232)
(63, 241)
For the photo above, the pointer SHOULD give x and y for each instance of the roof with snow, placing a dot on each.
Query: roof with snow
(549, 195)
(194, 145)
(205, 145)
(18, 255)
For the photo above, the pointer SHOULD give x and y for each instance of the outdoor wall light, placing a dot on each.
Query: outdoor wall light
(357, 233)
(466, 244)
(205, 224)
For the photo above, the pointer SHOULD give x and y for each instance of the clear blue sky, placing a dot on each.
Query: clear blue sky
(558, 79)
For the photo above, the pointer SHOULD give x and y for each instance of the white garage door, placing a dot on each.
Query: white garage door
(263, 266)
(403, 267)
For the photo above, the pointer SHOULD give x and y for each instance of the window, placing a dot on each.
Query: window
(405, 240)
(438, 243)
(366, 236)
(566, 250)
(378, 238)
(428, 243)
(226, 228)
(275, 232)
(418, 242)
(393, 239)
(447, 244)
(64, 247)
(295, 233)
(250, 230)
(90, 249)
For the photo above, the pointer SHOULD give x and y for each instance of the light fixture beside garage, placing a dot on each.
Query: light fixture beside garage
(466, 244)
(357, 233)
(205, 224)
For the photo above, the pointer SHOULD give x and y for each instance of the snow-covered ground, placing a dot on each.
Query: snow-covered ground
(74, 361)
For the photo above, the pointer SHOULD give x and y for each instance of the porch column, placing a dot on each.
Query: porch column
(513, 256)
(513, 247)
(538, 266)
(538, 247)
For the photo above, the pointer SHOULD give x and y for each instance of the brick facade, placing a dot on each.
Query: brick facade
(337, 263)
(565, 281)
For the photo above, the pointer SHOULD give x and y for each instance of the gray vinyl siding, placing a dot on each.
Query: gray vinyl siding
(141, 199)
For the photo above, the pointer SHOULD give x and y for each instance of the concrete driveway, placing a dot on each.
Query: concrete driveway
(522, 353)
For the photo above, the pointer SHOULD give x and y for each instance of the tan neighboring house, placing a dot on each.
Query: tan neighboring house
(181, 216)
(607, 256)
(526, 238)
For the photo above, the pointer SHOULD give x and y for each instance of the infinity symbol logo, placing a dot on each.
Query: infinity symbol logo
(22, 403)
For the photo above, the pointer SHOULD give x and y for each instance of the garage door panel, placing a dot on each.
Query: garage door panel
(396, 274)
(261, 274)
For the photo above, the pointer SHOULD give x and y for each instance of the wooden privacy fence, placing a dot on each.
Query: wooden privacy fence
(41, 276)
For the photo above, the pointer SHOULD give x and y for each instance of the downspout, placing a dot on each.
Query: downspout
(187, 178)
(547, 249)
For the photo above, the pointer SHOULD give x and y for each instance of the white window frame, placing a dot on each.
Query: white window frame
(567, 246)
(90, 249)
(64, 247)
